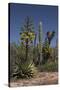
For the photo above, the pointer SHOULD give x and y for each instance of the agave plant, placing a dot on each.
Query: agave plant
(25, 70)
(27, 35)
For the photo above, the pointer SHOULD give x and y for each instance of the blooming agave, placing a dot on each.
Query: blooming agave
(27, 35)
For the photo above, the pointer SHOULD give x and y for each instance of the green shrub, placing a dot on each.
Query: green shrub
(49, 66)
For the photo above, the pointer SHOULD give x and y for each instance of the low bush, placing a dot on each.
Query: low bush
(49, 66)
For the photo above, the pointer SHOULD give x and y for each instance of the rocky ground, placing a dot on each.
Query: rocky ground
(42, 78)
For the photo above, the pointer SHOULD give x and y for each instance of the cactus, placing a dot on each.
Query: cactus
(40, 42)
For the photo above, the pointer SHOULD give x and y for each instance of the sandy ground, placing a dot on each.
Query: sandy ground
(42, 78)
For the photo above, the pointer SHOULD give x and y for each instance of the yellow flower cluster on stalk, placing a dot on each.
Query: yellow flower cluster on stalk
(27, 35)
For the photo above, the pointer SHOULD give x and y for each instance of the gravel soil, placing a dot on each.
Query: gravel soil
(42, 78)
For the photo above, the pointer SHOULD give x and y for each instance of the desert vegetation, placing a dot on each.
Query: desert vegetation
(31, 56)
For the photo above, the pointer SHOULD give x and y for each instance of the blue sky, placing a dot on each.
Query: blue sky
(48, 15)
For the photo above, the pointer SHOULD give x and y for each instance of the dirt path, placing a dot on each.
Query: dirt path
(42, 78)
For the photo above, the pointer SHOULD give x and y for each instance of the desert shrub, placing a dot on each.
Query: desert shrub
(13, 58)
(49, 66)
(35, 56)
